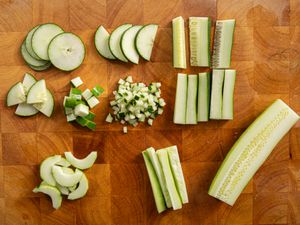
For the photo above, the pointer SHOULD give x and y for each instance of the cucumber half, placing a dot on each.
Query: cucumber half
(81, 190)
(25, 109)
(28, 43)
(37, 93)
(82, 164)
(29, 59)
(101, 43)
(46, 107)
(145, 40)
(46, 169)
(52, 192)
(16, 95)
(66, 51)
(66, 179)
(179, 50)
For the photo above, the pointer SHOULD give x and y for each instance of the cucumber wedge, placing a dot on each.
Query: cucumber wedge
(180, 99)
(228, 90)
(42, 37)
(16, 95)
(66, 51)
(81, 190)
(46, 169)
(29, 59)
(46, 107)
(191, 105)
(41, 68)
(25, 109)
(145, 40)
(179, 50)
(223, 41)
(216, 94)
(28, 81)
(200, 29)
(28, 43)
(128, 44)
(203, 96)
(52, 192)
(101, 43)
(251, 150)
(82, 164)
(37, 93)
(156, 189)
(115, 42)
(66, 179)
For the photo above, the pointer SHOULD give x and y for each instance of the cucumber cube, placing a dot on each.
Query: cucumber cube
(97, 91)
(68, 110)
(129, 79)
(81, 110)
(69, 102)
(92, 102)
(81, 121)
(125, 130)
(75, 93)
(109, 118)
(71, 117)
(91, 125)
(90, 116)
(76, 82)
(87, 94)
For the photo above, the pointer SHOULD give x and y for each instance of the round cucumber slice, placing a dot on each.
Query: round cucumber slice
(40, 68)
(28, 43)
(52, 192)
(42, 37)
(145, 40)
(29, 59)
(101, 43)
(28, 81)
(81, 190)
(46, 107)
(128, 44)
(115, 42)
(25, 109)
(66, 179)
(16, 95)
(66, 51)
(37, 93)
(63, 162)
(46, 169)
(82, 164)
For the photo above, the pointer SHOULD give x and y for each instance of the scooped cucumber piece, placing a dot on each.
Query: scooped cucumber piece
(228, 98)
(66, 51)
(28, 81)
(115, 42)
(66, 179)
(42, 37)
(37, 93)
(41, 68)
(29, 59)
(52, 192)
(216, 94)
(46, 169)
(82, 164)
(181, 99)
(63, 162)
(25, 109)
(81, 190)
(179, 50)
(16, 95)
(101, 43)
(46, 107)
(28, 43)
(191, 105)
(203, 96)
(145, 40)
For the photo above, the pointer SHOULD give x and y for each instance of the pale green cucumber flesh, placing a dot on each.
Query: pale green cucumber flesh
(63, 162)
(28, 81)
(29, 59)
(203, 96)
(52, 192)
(46, 169)
(46, 107)
(180, 99)
(191, 105)
(28, 43)
(82, 164)
(216, 94)
(16, 95)
(25, 109)
(37, 93)
(179, 50)
(81, 190)
(101, 43)
(66, 179)
(228, 98)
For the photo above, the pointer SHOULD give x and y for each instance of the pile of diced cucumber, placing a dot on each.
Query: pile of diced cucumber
(31, 96)
(166, 178)
(127, 42)
(78, 104)
(59, 178)
(48, 44)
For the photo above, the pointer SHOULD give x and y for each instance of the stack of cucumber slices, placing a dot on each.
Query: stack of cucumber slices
(59, 178)
(166, 178)
(47, 44)
(127, 42)
(31, 96)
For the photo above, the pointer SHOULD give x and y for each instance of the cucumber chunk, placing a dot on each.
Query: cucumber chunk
(203, 96)
(251, 150)
(145, 40)
(66, 51)
(16, 95)
(28, 81)
(25, 109)
(101, 43)
(216, 94)
(66, 179)
(81, 190)
(180, 99)
(228, 90)
(191, 105)
(41, 68)
(82, 164)
(179, 50)
(37, 93)
(28, 43)
(115, 42)
(29, 59)
(52, 192)
(46, 169)
(46, 107)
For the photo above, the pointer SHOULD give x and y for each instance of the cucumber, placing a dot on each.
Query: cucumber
(29, 59)
(66, 51)
(46, 107)
(180, 99)
(63, 162)
(128, 44)
(46, 169)
(81, 190)
(203, 96)
(216, 94)
(145, 40)
(114, 42)
(37, 93)
(228, 90)
(179, 51)
(25, 109)
(40, 68)
(63, 190)
(66, 179)
(82, 164)
(42, 37)
(223, 41)
(156, 189)
(16, 95)
(200, 29)
(101, 43)
(28, 43)
(251, 150)
(191, 105)
(52, 192)
(28, 81)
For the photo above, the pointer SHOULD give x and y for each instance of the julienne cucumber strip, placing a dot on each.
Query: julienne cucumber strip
(203, 97)
(179, 50)
(228, 98)
(191, 105)
(216, 100)
(181, 99)
(251, 150)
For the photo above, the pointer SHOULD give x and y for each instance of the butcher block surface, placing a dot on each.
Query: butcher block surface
(266, 55)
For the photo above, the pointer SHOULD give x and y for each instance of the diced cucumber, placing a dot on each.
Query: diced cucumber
(223, 41)
(25, 109)
(92, 102)
(42, 37)
(66, 51)
(82, 121)
(70, 102)
(115, 42)
(46, 107)
(29, 59)
(156, 189)
(28, 43)
(68, 110)
(63, 162)
(41, 68)
(66, 179)
(87, 94)
(228, 98)
(179, 51)
(81, 110)
(75, 93)
(216, 94)
(46, 169)
(101, 43)
(145, 40)
(191, 105)
(125, 129)
(91, 116)
(81, 190)
(52, 192)
(200, 41)
(37, 93)
(181, 99)
(203, 96)
(82, 164)
(28, 81)
(16, 95)
(76, 82)
(97, 91)
(91, 125)
(109, 118)
(251, 150)
(71, 117)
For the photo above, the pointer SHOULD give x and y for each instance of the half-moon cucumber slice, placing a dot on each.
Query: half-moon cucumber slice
(82, 164)
(101, 43)
(66, 179)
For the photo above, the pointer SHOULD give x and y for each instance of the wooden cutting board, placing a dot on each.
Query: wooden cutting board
(266, 55)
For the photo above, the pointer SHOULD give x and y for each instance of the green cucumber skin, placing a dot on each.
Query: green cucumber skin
(99, 51)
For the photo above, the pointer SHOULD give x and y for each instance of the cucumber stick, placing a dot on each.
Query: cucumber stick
(251, 150)
(191, 105)
(101, 43)
(203, 97)
(200, 29)
(228, 90)
(216, 94)
(180, 99)
(179, 50)
(223, 41)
